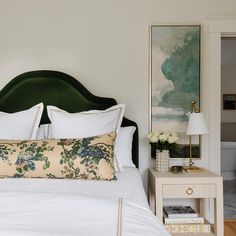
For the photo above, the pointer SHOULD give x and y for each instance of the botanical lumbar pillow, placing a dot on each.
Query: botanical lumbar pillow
(85, 158)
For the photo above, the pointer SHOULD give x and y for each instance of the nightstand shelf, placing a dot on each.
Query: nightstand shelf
(201, 186)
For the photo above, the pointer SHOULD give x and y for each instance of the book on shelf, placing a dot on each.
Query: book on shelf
(184, 220)
(189, 228)
(173, 212)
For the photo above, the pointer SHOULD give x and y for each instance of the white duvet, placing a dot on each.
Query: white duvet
(50, 214)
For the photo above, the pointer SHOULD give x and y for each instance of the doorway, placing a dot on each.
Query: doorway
(228, 124)
(218, 26)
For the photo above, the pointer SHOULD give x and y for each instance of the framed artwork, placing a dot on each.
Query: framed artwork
(229, 101)
(175, 81)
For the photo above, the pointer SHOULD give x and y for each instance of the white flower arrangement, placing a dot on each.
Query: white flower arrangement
(162, 140)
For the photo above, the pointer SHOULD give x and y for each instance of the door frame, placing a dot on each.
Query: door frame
(218, 26)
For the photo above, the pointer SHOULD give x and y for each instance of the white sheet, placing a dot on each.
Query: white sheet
(50, 214)
(128, 186)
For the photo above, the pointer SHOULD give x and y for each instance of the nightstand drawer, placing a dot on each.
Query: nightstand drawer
(189, 191)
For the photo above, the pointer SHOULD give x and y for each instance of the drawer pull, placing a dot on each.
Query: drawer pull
(189, 191)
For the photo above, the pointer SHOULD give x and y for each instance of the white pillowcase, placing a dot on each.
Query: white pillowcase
(123, 147)
(21, 125)
(85, 124)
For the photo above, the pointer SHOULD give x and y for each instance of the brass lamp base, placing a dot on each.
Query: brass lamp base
(193, 169)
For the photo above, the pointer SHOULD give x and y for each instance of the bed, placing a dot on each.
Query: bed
(42, 206)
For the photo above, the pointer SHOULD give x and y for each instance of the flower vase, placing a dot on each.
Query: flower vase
(162, 160)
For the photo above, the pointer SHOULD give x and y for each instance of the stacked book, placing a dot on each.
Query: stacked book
(183, 219)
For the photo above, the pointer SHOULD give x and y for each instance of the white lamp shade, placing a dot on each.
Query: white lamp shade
(196, 124)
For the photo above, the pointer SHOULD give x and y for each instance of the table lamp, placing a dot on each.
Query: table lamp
(196, 126)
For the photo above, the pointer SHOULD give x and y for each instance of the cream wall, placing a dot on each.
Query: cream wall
(103, 43)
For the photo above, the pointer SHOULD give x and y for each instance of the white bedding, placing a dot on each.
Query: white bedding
(50, 214)
(50, 207)
(128, 186)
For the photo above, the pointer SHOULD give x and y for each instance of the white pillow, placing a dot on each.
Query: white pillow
(42, 132)
(21, 125)
(123, 147)
(85, 124)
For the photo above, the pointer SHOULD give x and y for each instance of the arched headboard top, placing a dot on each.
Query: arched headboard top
(58, 89)
(51, 88)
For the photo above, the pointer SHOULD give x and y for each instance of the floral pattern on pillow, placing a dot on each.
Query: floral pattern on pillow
(85, 158)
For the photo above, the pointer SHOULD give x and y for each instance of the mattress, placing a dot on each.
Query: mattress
(128, 186)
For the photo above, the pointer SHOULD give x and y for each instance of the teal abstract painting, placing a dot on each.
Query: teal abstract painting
(175, 81)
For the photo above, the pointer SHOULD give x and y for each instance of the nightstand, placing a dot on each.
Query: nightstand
(201, 185)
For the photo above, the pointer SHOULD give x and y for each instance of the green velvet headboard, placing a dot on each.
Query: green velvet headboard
(58, 89)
